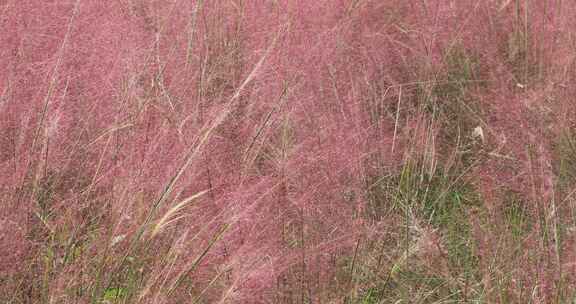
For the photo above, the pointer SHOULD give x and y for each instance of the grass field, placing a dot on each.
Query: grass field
(290, 152)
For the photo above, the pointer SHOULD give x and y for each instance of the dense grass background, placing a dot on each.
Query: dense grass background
(287, 151)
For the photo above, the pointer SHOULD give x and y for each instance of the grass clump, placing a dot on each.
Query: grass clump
(443, 202)
(516, 216)
(449, 100)
(565, 155)
(438, 200)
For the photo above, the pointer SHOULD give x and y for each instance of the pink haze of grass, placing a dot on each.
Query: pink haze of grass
(106, 101)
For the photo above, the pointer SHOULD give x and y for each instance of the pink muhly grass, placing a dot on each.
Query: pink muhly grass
(170, 151)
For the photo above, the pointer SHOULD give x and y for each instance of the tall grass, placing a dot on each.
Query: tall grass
(287, 152)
